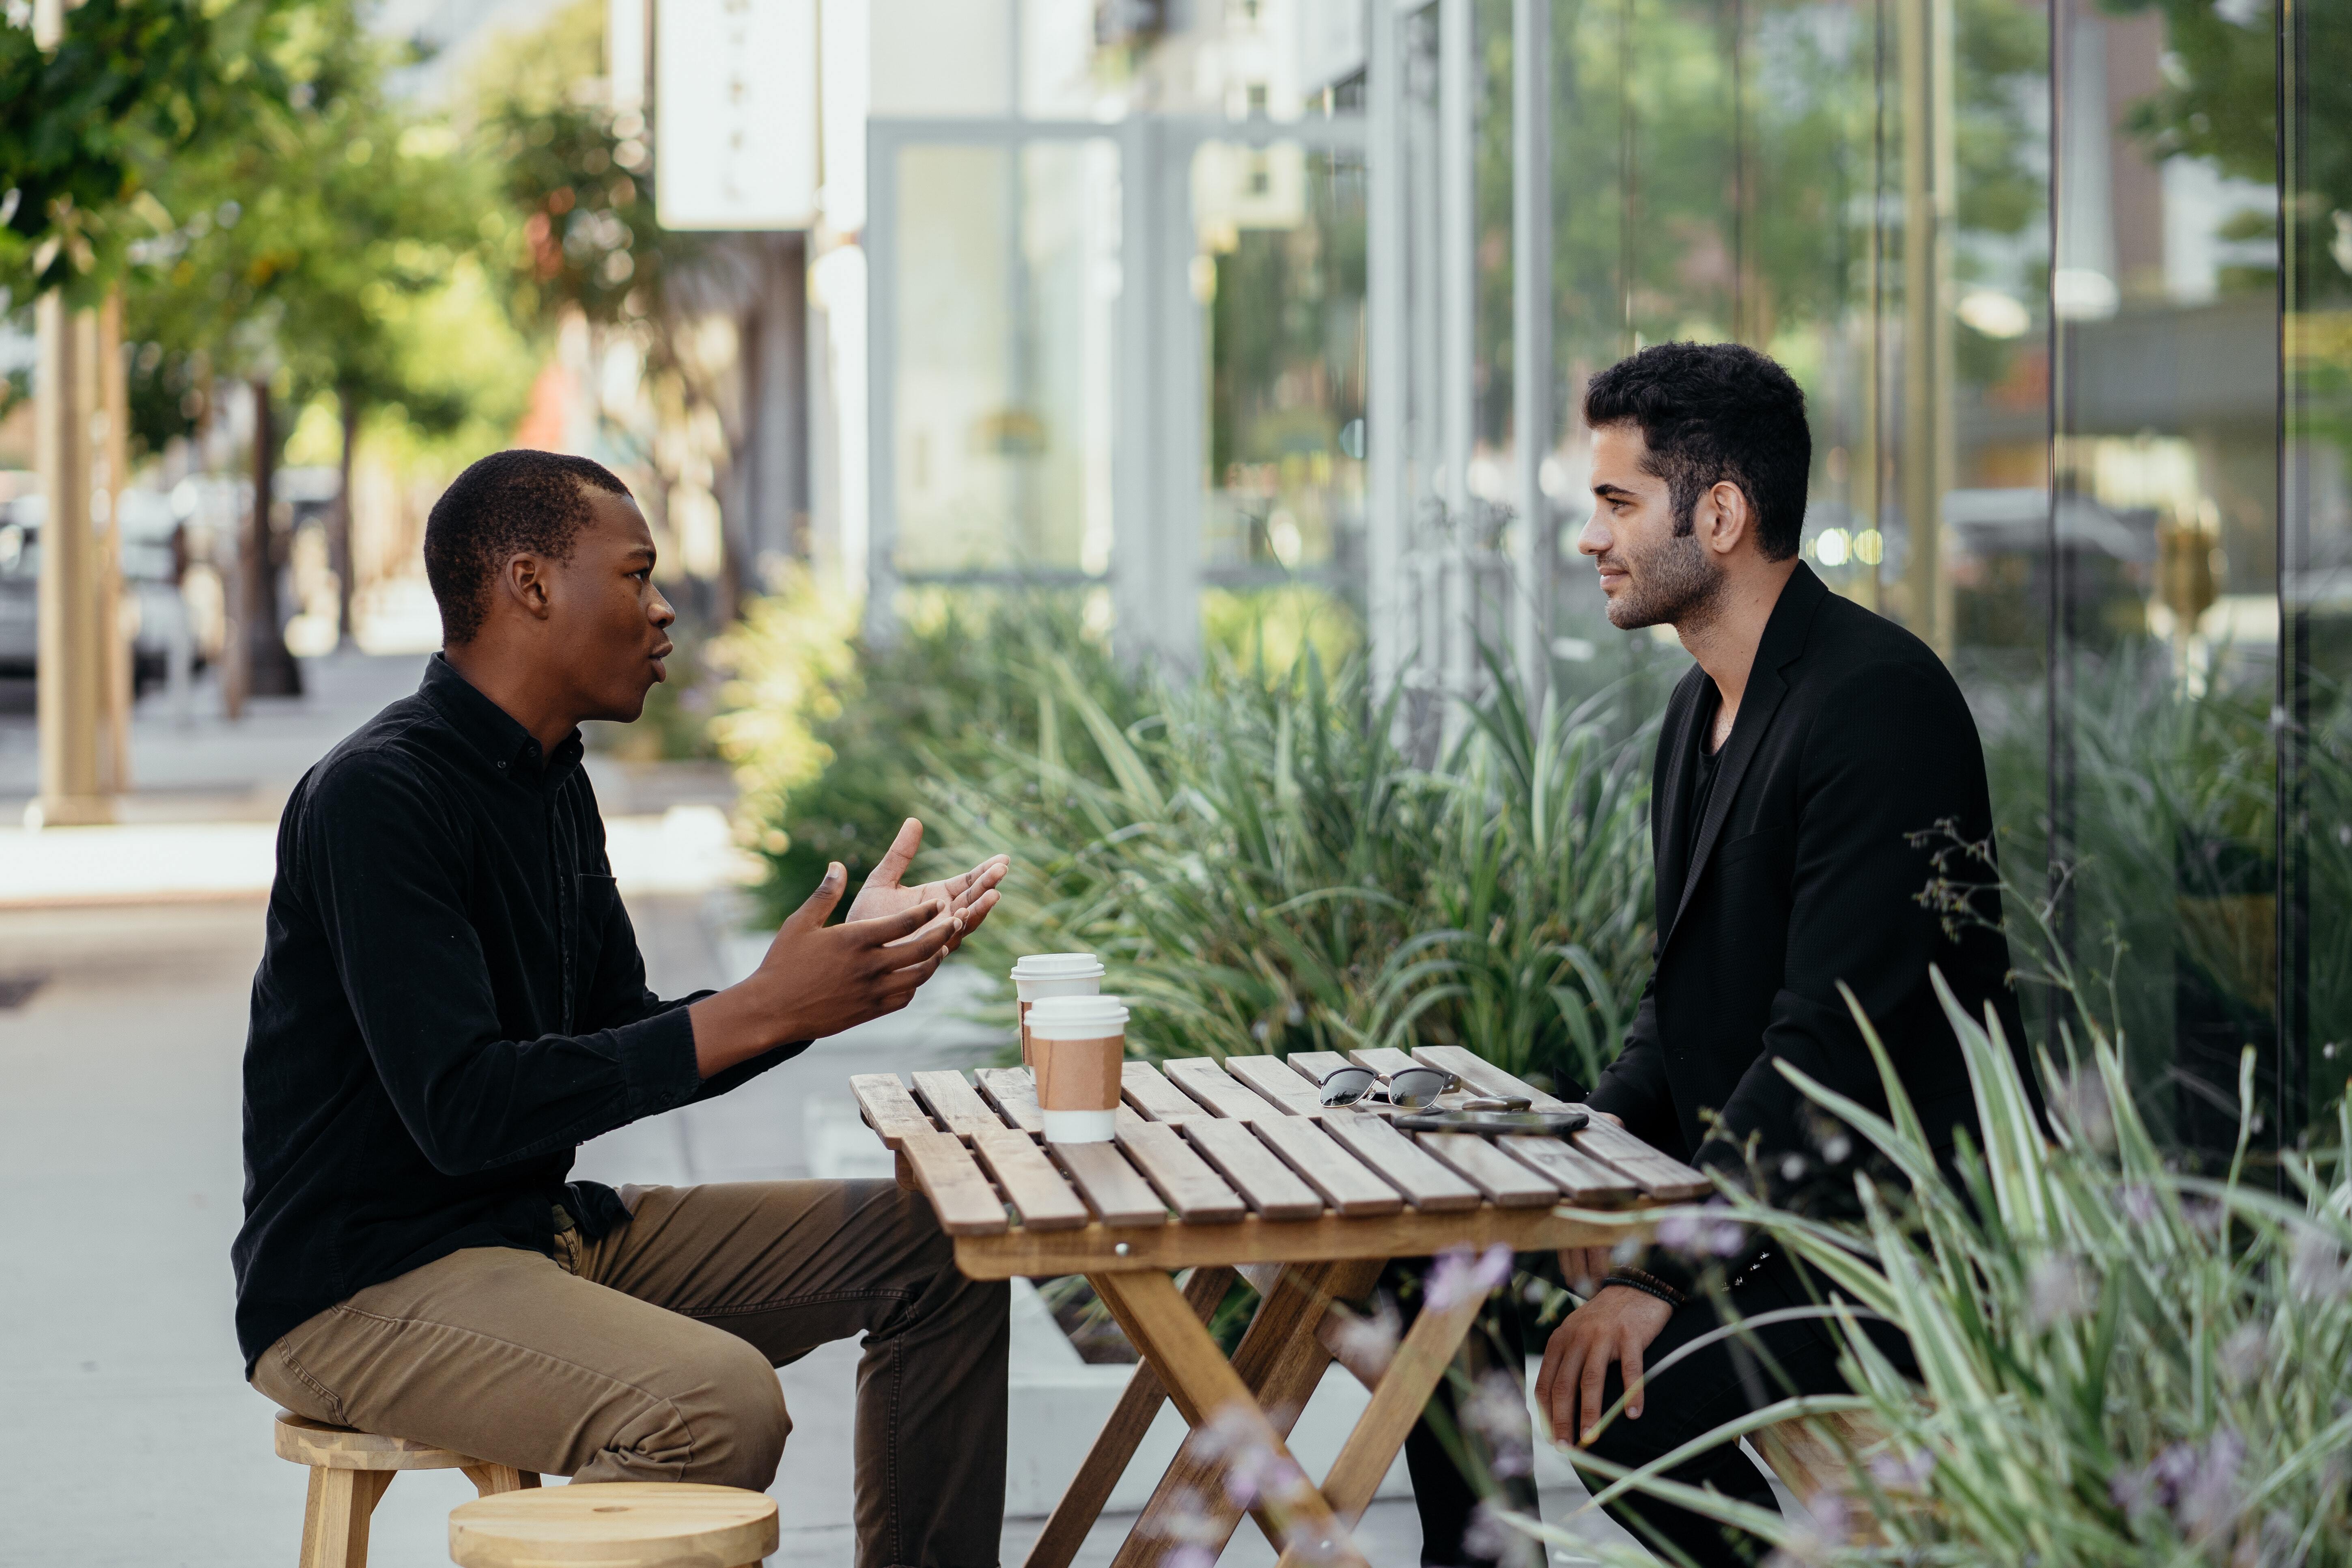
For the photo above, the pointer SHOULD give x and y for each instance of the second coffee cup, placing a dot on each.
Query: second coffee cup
(1042, 974)
(1077, 1044)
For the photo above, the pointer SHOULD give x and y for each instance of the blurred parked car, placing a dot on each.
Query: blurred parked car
(156, 615)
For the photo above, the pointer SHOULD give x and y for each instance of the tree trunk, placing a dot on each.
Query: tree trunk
(272, 670)
(339, 531)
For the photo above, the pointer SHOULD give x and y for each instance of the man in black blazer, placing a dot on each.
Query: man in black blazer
(1804, 750)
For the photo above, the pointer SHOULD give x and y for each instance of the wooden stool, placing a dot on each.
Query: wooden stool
(1806, 1455)
(350, 1469)
(615, 1524)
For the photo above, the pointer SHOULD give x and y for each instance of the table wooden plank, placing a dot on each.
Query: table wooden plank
(1102, 1249)
(1109, 1184)
(1014, 1093)
(889, 1109)
(1506, 1182)
(1123, 1116)
(1038, 1191)
(1197, 1193)
(1268, 1185)
(1154, 1098)
(1382, 1059)
(1272, 1077)
(1663, 1177)
(1581, 1178)
(1429, 1186)
(1485, 1077)
(1206, 1080)
(950, 1099)
(1329, 1168)
(962, 1198)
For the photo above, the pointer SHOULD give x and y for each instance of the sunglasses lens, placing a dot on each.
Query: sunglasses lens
(1348, 1085)
(1417, 1088)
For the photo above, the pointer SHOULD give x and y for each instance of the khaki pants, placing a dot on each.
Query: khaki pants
(646, 1357)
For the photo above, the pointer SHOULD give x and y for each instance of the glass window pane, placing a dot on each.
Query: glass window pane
(1006, 280)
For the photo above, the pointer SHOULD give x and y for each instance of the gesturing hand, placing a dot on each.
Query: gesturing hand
(818, 980)
(969, 896)
(1618, 1324)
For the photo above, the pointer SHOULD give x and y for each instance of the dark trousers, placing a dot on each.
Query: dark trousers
(1446, 1474)
(1721, 1383)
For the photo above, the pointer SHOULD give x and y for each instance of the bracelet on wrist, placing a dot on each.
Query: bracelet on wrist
(1647, 1284)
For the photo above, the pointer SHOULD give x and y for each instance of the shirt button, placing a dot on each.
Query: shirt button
(502, 767)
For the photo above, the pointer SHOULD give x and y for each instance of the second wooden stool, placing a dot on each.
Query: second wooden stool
(350, 1469)
(615, 1524)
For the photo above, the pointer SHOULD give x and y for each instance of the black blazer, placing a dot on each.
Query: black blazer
(1851, 736)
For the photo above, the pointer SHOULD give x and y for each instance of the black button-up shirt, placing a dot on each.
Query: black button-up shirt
(451, 998)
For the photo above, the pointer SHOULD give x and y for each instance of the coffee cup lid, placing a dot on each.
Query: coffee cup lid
(1056, 966)
(1078, 1017)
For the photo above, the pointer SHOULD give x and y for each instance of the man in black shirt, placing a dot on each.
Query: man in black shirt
(451, 998)
(1808, 747)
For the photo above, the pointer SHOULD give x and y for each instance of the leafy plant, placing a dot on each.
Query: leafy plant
(2118, 1361)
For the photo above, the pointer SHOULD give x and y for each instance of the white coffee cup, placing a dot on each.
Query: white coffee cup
(1076, 1045)
(1042, 974)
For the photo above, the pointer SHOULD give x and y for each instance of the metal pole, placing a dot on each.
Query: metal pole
(1927, 431)
(1531, 335)
(1386, 628)
(1457, 244)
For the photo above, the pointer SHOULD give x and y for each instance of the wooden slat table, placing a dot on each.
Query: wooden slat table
(1237, 1166)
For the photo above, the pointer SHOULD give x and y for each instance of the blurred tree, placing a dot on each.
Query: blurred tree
(289, 250)
(86, 128)
(581, 238)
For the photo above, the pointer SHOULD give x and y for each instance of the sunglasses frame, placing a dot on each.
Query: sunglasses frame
(1376, 1079)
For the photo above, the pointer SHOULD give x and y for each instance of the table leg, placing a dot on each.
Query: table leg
(1428, 1348)
(1082, 1503)
(1211, 1394)
(1281, 1360)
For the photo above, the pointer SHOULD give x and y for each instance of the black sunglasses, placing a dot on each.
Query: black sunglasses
(1407, 1088)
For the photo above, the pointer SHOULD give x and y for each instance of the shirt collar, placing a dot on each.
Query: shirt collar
(490, 731)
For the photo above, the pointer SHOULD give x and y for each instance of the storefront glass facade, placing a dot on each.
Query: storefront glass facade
(2068, 284)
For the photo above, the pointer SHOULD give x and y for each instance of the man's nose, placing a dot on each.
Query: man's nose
(660, 612)
(1593, 538)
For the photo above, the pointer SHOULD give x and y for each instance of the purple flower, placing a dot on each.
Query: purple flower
(1460, 1274)
(1701, 1233)
(1190, 1556)
(2058, 1289)
(1367, 1342)
(1497, 1409)
(1902, 1475)
(2139, 1204)
(2315, 1270)
(2198, 1487)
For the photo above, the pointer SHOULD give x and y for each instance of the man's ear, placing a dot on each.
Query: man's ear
(1725, 518)
(523, 582)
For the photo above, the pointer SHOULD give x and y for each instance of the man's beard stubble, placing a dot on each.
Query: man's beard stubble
(1674, 585)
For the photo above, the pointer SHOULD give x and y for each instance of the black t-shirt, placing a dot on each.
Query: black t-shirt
(1708, 764)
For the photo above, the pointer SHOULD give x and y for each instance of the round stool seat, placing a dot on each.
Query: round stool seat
(314, 1443)
(618, 1524)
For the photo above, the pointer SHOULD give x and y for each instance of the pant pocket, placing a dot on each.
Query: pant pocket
(280, 1374)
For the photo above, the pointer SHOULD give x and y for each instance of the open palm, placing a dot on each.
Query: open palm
(968, 896)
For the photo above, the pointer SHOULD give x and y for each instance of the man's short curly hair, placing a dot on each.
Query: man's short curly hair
(510, 504)
(1711, 412)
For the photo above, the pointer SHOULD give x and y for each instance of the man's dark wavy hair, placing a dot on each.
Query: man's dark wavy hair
(1712, 412)
(508, 504)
